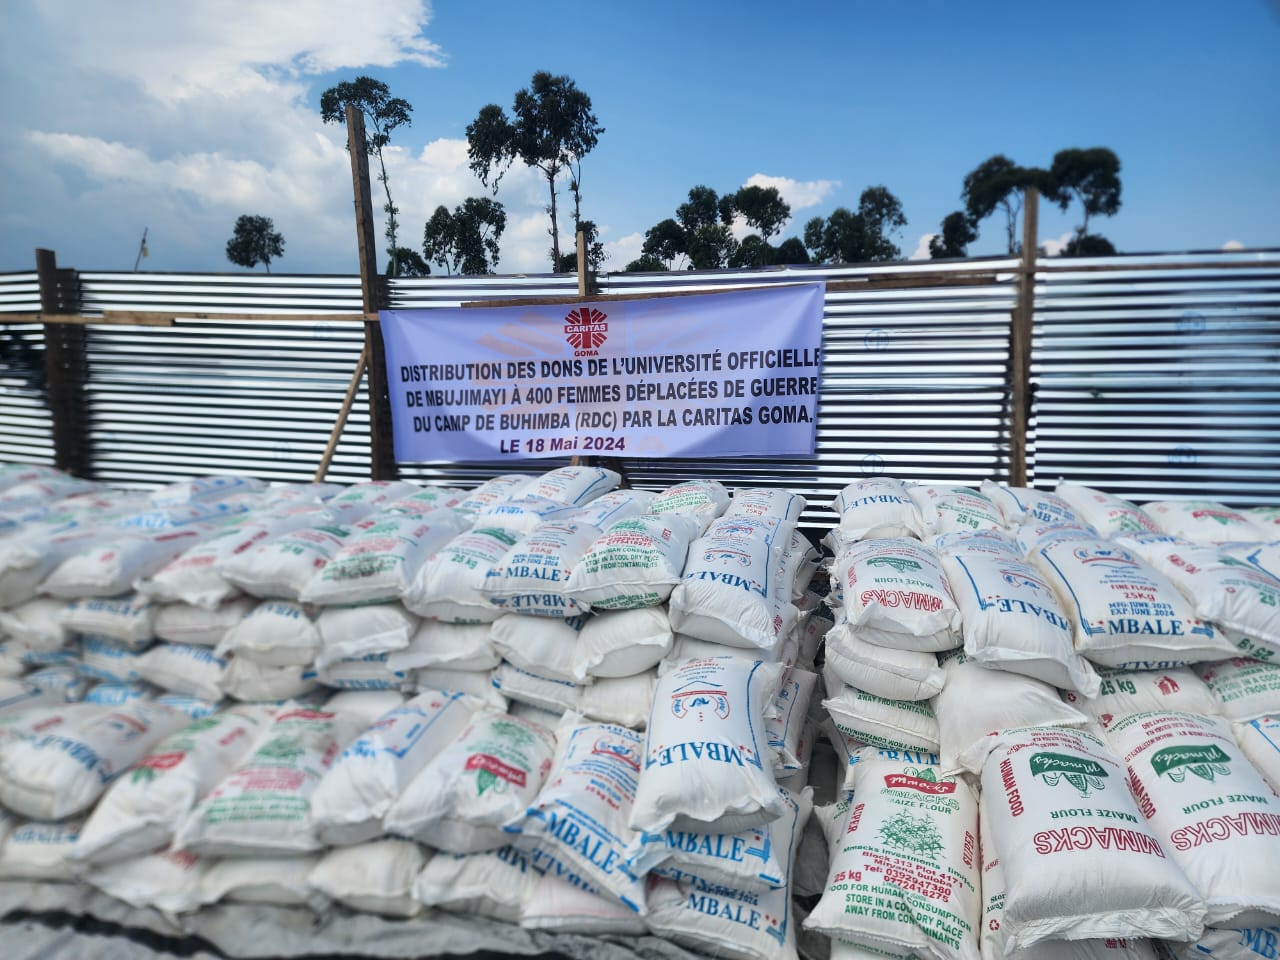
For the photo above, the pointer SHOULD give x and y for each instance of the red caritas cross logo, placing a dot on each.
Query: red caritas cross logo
(586, 331)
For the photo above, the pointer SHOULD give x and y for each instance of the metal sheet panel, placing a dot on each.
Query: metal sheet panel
(26, 430)
(1155, 375)
(1160, 380)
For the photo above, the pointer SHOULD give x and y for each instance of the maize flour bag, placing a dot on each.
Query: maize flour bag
(903, 876)
(1210, 810)
(143, 809)
(373, 771)
(483, 780)
(1079, 859)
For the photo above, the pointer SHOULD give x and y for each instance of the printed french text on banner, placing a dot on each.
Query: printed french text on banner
(706, 375)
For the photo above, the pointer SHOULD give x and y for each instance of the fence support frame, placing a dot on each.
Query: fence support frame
(66, 367)
(1020, 331)
(382, 457)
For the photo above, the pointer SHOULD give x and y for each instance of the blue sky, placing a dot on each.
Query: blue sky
(180, 117)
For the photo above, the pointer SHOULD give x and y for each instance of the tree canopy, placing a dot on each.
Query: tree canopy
(998, 184)
(382, 113)
(254, 241)
(551, 127)
(957, 233)
(466, 240)
(1091, 176)
(858, 237)
(763, 209)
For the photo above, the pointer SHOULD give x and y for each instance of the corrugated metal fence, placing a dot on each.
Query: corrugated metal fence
(1153, 376)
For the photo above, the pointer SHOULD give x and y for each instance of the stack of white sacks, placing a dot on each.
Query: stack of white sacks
(556, 703)
(1062, 724)
(247, 735)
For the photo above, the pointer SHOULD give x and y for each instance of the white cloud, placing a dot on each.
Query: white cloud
(1233, 245)
(622, 251)
(183, 51)
(921, 251)
(439, 176)
(1052, 247)
(800, 194)
(180, 117)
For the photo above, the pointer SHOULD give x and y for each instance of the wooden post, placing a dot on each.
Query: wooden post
(382, 458)
(584, 287)
(65, 367)
(1020, 344)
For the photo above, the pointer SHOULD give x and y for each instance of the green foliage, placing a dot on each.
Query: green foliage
(1088, 245)
(664, 242)
(957, 233)
(762, 208)
(1091, 176)
(790, 251)
(858, 237)
(411, 263)
(645, 263)
(752, 251)
(551, 127)
(465, 241)
(382, 113)
(595, 250)
(999, 183)
(254, 241)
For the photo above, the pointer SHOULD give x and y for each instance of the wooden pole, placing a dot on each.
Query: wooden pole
(382, 458)
(1020, 344)
(336, 433)
(65, 367)
(584, 288)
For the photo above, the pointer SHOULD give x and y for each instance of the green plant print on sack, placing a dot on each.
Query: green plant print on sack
(1084, 775)
(1207, 762)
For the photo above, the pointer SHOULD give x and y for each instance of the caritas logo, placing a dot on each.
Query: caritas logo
(586, 331)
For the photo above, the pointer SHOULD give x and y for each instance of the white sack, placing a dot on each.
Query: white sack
(373, 877)
(263, 808)
(976, 703)
(380, 558)
(64, 771)
(707, 764)
(904, 876)
(143, 809)
(364, 783)
(532, 575)
(1210, 809)
(450, 585)
(276, 633)
(634, 563)
(1124, 612)
(475, 785)
(1079, 859)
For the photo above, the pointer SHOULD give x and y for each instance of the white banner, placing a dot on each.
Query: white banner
(707, 375)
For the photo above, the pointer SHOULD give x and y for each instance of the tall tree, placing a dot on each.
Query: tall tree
(762, 208)
(1091, 176)
(551, 128)
(999, 183)
(664, 242)
(383, 113)
(705, 218)
(465, 241)
(254, 241)
(858, 237)
(957, 233)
